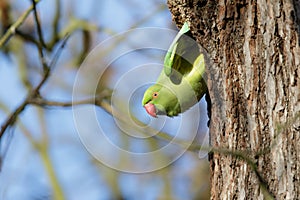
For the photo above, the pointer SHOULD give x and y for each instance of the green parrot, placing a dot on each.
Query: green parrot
(181, 83)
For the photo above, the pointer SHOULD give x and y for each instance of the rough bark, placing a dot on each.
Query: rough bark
(254, 85)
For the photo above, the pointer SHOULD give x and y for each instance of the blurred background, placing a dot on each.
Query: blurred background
(115, 50)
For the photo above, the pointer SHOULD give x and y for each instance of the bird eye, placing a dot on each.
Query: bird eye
(155, 94)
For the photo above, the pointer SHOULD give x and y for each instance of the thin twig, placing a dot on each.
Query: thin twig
(243, 155)
(47, 103)
(27, 37)
(34, 93)
(59, 50)
(58, 193)
(278, 131)
(246, 157)
(38, 24)
(42, 148)
(12, 117)
(12, 29)
(55, 33)
(40, 37)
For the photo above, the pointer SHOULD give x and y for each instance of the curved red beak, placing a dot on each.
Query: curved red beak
(151, 110)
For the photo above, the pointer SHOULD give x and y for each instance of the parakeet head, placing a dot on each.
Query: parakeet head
(159, 100)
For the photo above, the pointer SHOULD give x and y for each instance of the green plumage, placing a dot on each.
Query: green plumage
(181, 83)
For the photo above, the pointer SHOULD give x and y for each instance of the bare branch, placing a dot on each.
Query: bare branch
(47, 103)
(40, 36)
(12, 29)
(33, 94)
(11, 119)
(27, 37)
(55, 34)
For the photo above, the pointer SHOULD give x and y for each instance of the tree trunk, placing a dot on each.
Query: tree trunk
(254, 85)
